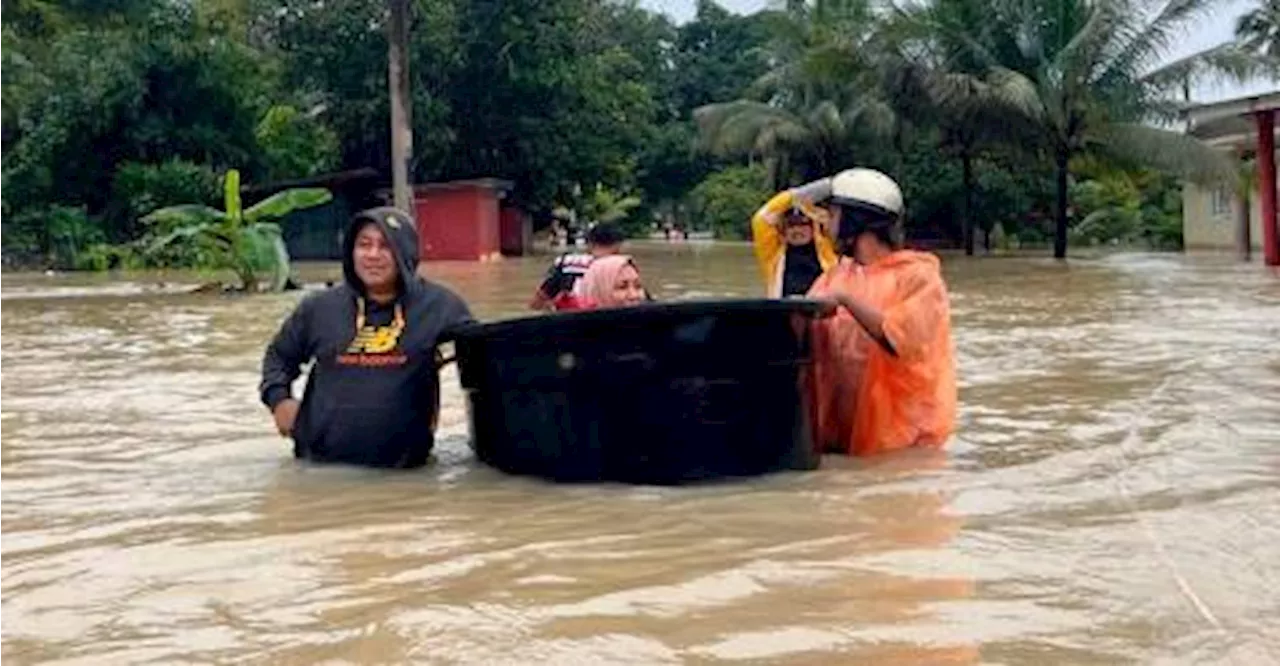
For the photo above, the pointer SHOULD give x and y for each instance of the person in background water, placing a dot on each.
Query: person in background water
(792, 244)
(373, 393)
(612, 282)
(884, 368)
(562, 279)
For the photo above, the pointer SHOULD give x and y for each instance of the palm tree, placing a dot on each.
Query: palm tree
(932, 78)
(796, 144)
(819, 103)
(1259, 30)
(1083, 75)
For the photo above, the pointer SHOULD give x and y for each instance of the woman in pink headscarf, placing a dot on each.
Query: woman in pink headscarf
(610, 282)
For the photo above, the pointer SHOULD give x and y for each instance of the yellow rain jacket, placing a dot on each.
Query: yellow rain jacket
(771, 245)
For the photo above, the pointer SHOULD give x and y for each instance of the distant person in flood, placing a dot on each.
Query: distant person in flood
(561, 283)
(373, 393)
(792, 243)
(884, 369)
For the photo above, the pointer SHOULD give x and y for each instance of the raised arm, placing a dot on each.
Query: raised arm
(766, 224)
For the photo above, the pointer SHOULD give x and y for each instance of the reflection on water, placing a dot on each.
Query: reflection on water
(1111, 497)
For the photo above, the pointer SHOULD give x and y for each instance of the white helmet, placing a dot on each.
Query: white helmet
(867, 188)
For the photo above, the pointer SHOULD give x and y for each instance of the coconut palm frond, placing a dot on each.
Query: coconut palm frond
(1080, 57)
(1259, 30)
(1226, 63)
(1170, 151)
(1147, 41)
(873, 118)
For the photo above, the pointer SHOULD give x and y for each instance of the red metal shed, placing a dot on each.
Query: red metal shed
(461, 219)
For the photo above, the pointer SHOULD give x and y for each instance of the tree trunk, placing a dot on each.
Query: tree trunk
(401, 103)
(899, 139)
(1060, 214)
(966, 166)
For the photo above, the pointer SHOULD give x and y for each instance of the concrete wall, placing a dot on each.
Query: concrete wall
(1209, 219)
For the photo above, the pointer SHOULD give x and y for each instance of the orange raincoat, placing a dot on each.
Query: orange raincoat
(867, 400)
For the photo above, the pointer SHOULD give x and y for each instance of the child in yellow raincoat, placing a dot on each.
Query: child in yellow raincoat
(792, 244)
(884, 369)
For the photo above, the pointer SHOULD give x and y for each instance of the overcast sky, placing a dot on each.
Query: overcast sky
(1216, 30)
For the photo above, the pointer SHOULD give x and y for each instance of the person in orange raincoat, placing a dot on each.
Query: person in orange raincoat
(884, 368)
(792, 244)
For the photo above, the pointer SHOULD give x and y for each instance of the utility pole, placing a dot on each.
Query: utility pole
(401, 104)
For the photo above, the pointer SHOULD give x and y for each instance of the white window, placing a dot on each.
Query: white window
(1220, 204)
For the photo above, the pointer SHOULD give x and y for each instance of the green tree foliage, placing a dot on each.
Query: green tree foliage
(1090, 76)
(98, 97)
(115, 108)
(726, 200)
(295, 145)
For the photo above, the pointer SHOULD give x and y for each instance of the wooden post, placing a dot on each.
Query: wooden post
(401, 104)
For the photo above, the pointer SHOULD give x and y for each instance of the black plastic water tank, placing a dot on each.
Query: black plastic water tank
(655, 394)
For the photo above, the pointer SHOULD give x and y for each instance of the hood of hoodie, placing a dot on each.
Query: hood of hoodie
(401, 234)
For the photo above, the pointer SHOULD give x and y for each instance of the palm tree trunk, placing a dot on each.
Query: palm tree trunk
(899, 152)
(1060, 214)
(966, 167)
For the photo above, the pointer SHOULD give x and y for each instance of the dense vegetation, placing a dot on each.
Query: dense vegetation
(994, 114)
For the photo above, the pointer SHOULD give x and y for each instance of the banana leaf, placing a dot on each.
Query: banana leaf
(181, 233)
(282, 203)
(264, 255)
(186, 215)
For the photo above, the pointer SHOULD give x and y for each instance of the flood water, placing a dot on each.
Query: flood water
(1113, 496)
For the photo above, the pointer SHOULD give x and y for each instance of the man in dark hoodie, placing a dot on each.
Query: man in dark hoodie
(373, 392)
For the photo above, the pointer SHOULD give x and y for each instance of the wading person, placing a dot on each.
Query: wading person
(610, 282)
(884, 368)
(373, 393)
(559, 289)
(792, 244)
(613, 282)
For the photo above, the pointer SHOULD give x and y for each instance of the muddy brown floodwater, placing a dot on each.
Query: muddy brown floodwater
(1113, 496)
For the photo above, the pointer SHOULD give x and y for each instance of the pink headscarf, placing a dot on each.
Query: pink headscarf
(598, 281)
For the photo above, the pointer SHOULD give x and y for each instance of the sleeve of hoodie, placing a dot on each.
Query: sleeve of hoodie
(292, 346)
(456, 314)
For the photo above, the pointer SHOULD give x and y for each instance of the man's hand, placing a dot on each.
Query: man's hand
(285, 414)
(829, 307)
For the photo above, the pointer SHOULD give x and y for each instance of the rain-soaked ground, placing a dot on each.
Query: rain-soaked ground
(1113, 496)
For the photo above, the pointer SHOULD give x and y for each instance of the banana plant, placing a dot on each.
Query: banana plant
(604, 204)
(248, 241)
